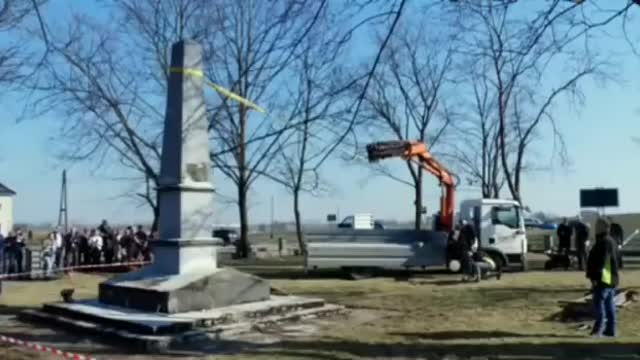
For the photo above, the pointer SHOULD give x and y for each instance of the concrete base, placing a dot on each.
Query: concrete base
(159, 332)
(183, 277)
(191, 291)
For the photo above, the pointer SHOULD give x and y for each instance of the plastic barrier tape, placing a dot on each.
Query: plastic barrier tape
(42, 348)
(70, 268)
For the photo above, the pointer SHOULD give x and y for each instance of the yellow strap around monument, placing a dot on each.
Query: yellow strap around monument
(218, 88)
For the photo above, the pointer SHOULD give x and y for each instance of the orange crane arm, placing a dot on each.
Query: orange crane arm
(415, 150)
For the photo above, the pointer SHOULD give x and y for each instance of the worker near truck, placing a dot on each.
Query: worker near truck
(582, 242)
(602, 270)
(467, 243)
(564, 233)
(617, 233)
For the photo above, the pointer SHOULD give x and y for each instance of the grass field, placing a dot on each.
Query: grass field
(429, 318)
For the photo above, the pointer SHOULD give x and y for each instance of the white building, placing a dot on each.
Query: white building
(6, 209)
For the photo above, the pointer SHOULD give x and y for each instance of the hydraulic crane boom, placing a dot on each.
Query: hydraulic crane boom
(417, 151)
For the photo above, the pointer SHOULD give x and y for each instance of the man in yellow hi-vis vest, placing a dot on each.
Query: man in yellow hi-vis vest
(602, 270)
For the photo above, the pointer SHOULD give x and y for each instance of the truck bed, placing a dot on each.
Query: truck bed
(383, 249)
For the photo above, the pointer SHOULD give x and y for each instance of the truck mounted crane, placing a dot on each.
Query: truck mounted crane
(361, 253)
(418, 152)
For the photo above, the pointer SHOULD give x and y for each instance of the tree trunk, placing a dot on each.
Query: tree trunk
(296, 214)
(418, 200)
(486, 168)
(517, 171)
(244, 248)
(503, 148)
(494, 170)
(156, 218)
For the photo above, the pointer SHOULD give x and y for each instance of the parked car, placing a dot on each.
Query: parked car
(228, 236)
(530, 222)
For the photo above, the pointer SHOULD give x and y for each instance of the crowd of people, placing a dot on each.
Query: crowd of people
(580, 231)
(12, 251)
(100, 245)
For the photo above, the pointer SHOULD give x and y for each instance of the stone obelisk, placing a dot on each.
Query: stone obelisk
(184, 275)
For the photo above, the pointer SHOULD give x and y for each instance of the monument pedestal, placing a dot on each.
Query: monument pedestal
(184, 277)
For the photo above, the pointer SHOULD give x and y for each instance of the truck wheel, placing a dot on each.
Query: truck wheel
(497, 259)
(454, 266)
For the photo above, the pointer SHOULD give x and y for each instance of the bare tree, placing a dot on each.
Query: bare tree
(477, 151)
(106, 82)
(519, 45)
(258, 40)
(13, 15)
(407, 99)
(316, 105)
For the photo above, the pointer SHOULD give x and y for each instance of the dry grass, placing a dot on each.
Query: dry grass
(424, 319)
(34, 293)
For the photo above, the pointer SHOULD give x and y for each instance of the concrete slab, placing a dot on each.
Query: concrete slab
(191, 291)
(110, 334)
(160, 323)
(275, 306)
(159, 332)
(121, 317)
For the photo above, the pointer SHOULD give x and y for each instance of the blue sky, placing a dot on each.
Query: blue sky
(598, 139)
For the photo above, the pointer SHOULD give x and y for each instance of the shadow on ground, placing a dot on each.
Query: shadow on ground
(338, 350)
(472, 335)
(12, 310)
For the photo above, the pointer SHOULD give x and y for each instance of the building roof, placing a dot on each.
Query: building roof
(5, 190)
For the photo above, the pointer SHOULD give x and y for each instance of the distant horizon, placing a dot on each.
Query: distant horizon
(314, 222)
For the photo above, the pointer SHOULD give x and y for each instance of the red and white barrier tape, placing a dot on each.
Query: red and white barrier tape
(71, 268)
(47, 349)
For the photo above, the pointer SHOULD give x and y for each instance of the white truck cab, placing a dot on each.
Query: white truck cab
(500, 228)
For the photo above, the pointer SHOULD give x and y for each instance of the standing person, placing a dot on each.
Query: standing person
(58, 248)
(141, 239)
(72, 247)
(128, 244)
(117, 257)
(602, 270)
(66, 242)
(582, 240)
(108, 245)
(2, 251)
(48, 254)
(141, 234)
(466, 244)
(617, 233)
(564, 241)
(564, 233)
(19, 250)
(83, 247)
(11, 245)
(95, 246)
